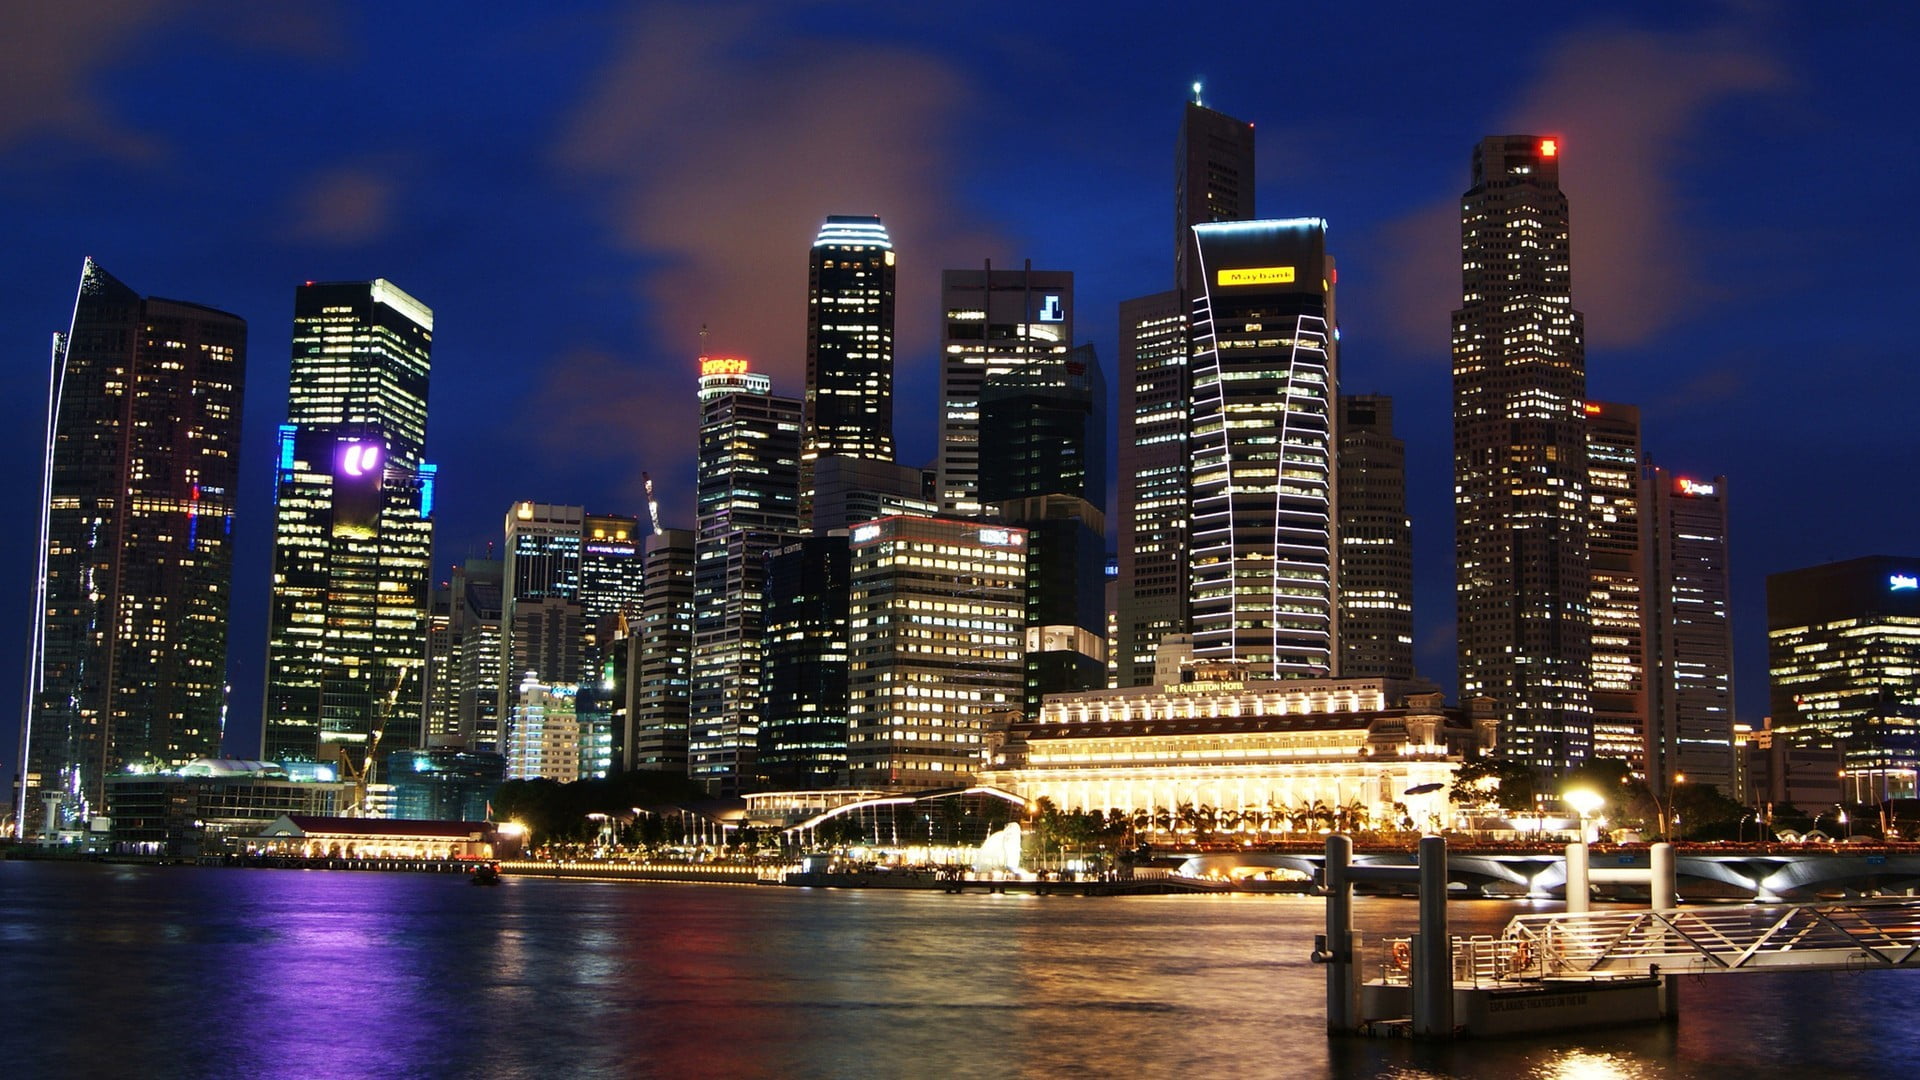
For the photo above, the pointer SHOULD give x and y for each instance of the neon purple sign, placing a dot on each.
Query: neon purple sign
(358, 459)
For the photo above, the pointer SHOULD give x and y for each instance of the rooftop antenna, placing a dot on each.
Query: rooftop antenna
(703, 339)
(1196, 91)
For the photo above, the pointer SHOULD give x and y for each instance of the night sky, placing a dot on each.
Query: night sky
(574, 191)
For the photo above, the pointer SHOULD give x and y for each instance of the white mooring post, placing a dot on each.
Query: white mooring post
(1579, 891)
(1664, 893)
(1433, 949)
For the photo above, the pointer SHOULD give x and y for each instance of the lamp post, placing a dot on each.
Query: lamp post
(1584, 802)
(1662, 809)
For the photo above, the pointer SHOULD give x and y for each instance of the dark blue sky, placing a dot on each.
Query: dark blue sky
(575, 191)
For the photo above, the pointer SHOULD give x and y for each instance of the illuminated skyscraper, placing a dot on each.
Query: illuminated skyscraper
(1376, 543)
(1617, 608)
(543, 623)
(1263, 444)
(749, 485)
(1213, 181)
(663, 669)
(996, 321)
(134, 564)
(1690, 633)
(1520, 458)
(353, 527)
(848, 410)
(1843, 657)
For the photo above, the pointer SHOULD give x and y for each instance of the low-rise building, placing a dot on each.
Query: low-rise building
(202, 808)
(318, 837)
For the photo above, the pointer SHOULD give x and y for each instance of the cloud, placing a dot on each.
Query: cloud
(613, 416)
(721, 137)
(1624, 103)
(343, 208)
(48, 55)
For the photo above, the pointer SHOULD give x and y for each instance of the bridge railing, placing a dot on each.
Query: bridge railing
(1479, 960)
(1862, 934)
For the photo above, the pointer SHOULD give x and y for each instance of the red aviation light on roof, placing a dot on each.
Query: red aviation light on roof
(1549, 147)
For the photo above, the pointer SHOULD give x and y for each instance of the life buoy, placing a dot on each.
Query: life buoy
(1403, 955)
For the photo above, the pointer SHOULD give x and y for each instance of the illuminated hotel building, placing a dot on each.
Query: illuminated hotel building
(1619, 589)
(353, 527)
(848, 410)
(1213, 181)
(996, 321)
(1843, 656)
(935, 623)
(1376, 542)
(128, 645)
(1519, 458)
(1689, 631)
(748, 508)
(1263, 444)
(661, 647)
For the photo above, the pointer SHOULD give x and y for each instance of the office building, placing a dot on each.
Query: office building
(543, 733)
(1376, 542)
(848, 408)
(848, 491)
(353, 528)
(1213, 181)
(996, 321)
(935, 625)
(1689, 631)
(1519, 458)
(803, 730)
(133, 560)
(440, 718)
(748, 507)
(479, 650)
(443, 784)
(1617, 608)
(1263, 446)
(1843, 659)
(1043, 468)
(660, 655)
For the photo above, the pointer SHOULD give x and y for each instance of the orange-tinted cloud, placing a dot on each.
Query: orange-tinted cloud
(49, 53)
(343, 208)
(1624, 104)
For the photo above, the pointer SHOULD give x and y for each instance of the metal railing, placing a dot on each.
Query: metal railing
(1863, 934)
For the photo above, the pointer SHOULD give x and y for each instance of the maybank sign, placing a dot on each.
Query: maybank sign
(1256, 275)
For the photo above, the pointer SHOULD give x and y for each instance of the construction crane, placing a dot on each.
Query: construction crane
(653, 505)
(362, 776)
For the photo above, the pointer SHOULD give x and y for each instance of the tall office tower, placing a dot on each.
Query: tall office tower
(1043, 468)
(1263, 444)
(1843, 660)
(1690, 632)
(1376, 542)
(663, 667)
(1519, 458)
(1617, 606)
(848, 491)
(542, 619)
(803, 730)
(477, 586)
(543, 733)
(1153, 462)
(996, 321)
(935, 624)
(128, 646)
(849, 402)
(353, 527)
(1213, 181)
(611, 591)
(749, 487)
(440, 713)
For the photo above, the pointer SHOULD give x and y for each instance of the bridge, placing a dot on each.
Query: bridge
(1770, 874)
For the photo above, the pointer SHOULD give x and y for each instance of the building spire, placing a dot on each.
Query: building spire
(1196, 93)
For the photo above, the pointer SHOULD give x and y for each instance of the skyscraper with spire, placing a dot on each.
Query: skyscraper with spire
(1213, 181)
(128, 647)
(353, 528)
(1520, 457)
(848, 407)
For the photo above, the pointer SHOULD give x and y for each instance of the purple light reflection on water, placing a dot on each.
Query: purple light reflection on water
(176, 971)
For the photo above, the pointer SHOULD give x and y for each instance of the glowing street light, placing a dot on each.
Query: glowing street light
(1584, 802)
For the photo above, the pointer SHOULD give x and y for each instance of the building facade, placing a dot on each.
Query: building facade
(1263, 444)
(661, 652)
(353, 527)
(1519, 457)
(996, 321)
(544, 738)
(749, 489)
(133, 564)
(1151, 590)
(848, 408)
(1376, 542)
(1618, 603)
(936, 617)
(1690, 716)
(803, 730)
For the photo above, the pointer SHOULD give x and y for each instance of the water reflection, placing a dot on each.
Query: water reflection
(192, 972)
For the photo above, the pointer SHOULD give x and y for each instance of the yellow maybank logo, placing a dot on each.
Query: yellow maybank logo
(1257, 275)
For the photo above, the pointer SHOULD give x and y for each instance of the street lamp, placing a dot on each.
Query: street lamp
(1662, 809)
(1584, 802)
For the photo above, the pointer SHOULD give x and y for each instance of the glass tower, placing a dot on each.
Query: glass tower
(1376, 543)
(128, 646)
(848, 410)
(353, 528)
(1520, 458)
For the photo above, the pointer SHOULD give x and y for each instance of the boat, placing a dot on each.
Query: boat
(485, 874)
